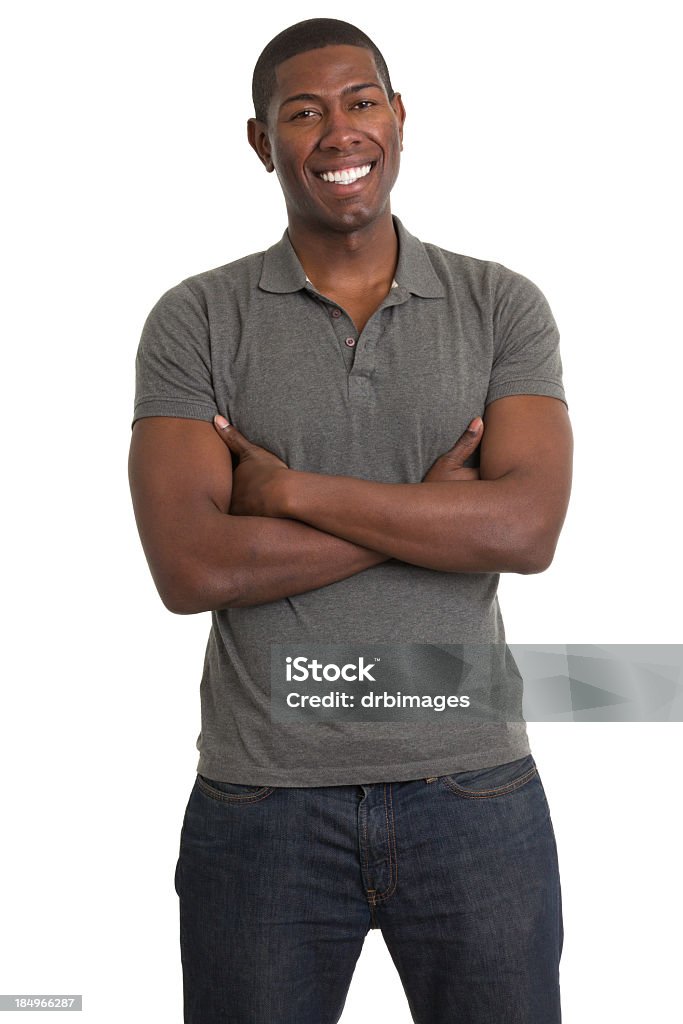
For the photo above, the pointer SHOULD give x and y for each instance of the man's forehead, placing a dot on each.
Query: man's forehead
(325, 68)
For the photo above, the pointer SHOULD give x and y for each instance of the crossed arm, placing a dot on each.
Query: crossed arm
(215, 538)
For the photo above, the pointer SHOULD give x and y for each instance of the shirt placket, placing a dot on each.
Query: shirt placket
(358, 350)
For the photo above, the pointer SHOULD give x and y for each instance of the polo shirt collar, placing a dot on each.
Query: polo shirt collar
(415, 271)
(282, 272)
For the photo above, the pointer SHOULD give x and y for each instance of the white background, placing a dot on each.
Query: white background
(542, 136)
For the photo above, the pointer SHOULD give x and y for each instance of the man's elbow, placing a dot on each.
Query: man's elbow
(534, 563)
(180, 602)
(194, 591)
(538, 552)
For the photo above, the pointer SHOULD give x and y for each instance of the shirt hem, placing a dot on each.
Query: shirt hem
(172, 407)
(402, 772)
(537, 386)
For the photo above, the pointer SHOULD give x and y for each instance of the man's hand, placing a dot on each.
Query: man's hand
(255, 490)
(449, 466)
(256, 477)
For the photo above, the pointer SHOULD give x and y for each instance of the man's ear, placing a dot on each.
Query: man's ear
(400, 111)
(257, 133)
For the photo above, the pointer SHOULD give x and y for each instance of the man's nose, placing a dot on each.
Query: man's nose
(339, 131)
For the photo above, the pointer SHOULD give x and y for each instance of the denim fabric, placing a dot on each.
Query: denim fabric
(279, 886)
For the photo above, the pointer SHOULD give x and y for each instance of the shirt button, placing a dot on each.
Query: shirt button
(336, 313)
(350, 342)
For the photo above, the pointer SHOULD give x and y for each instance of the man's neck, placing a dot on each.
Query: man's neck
(358, 260)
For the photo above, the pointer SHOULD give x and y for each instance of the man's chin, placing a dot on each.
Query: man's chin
(347, 217)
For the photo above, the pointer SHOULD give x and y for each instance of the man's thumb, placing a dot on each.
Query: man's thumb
(230, 435)
(470, 438)
(467, 442)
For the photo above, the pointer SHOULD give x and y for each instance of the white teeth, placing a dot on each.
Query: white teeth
(346, 176)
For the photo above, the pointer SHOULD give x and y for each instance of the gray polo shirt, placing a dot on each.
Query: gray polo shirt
(256, 342)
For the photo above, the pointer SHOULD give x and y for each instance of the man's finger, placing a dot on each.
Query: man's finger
(235, 441)
(470, 438)
(466, 443)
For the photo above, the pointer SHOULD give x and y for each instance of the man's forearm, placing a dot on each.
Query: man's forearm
(466, 526)
(238, 561)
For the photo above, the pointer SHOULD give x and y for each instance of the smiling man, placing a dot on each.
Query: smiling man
(343, 441)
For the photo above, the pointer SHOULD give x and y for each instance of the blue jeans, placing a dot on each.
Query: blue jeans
(279, 886)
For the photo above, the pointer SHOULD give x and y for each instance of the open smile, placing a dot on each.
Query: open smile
(346, 175)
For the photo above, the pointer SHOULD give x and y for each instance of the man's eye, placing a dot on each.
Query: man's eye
(302, 114)
(368, 103)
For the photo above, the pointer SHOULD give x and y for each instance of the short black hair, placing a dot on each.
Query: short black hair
(300, 38)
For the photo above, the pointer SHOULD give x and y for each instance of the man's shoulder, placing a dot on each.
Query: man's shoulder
(459, 268)
(238, 275)
(198, 294)
(459, 265)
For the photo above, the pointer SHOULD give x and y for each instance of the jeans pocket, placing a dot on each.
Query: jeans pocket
(233, 792)
(498, 780)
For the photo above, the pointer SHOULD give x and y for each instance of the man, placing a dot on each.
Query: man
(304, 465)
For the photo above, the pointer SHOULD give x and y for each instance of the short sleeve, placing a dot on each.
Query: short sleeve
(173, 363)
(526, 341)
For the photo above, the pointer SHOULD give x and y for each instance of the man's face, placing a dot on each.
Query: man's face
(330, 114)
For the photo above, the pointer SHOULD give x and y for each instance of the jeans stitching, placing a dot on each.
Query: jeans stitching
(240, 798)
(391, 845)
(364, 812)
(509, 787)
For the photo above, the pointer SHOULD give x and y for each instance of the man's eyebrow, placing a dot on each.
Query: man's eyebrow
(345, 92)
